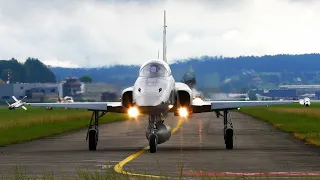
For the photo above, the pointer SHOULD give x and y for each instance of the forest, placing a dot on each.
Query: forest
(31, 71)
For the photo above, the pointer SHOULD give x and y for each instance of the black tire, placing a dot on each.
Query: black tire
(153, 141)
(229, 139)
(93, 140)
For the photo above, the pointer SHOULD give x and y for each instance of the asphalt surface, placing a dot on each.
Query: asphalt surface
(196, 146)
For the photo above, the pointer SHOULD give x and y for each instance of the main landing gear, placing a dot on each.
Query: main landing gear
(93, 130)
(228, 130)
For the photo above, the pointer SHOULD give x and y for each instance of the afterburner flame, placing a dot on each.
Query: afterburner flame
(183, 112)
(133, 112)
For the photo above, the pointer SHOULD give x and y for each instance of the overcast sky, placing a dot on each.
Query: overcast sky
(103, 32)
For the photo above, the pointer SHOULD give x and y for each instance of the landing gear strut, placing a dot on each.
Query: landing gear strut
(228, 130)
(155, 122)
(93, 130)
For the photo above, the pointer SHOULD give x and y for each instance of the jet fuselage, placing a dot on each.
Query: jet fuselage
(154, 89)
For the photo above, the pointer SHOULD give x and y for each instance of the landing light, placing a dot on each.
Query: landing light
(170, 106)
(183, 112)
(133, 112)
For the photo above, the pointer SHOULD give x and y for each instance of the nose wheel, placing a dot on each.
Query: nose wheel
(153, 142)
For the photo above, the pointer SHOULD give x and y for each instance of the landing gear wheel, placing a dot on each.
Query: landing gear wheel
(153, 141)
(93, 140)
(229, 139)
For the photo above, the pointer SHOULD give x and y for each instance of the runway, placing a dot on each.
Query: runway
(197, 146)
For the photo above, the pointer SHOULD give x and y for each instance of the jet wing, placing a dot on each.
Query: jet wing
(102, 106)
(207, 106)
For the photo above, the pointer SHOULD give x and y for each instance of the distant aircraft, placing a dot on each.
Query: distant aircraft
(66, 99)
(156, 93)
(306, 101)
(17, 103)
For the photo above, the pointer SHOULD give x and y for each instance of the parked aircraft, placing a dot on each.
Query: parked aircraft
(156, 93)
(17, 103)
(305, 101)
(66, 99)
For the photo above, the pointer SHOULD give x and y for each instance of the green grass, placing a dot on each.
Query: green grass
(303, 122)
(19, 125)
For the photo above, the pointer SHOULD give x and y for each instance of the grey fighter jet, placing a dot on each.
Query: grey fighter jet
(156, 93)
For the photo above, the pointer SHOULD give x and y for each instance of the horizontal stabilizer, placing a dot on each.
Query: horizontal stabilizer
(23, 107)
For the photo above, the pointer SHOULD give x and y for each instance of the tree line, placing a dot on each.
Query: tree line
(31, 71)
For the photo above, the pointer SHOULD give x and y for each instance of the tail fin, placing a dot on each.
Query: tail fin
(23, 98)
(59, 99)
(8, 103)
(164, 38)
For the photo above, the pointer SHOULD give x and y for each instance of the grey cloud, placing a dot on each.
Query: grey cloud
(97, 32)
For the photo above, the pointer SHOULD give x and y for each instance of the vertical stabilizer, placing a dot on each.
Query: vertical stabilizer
(59, 99)
(164, 38)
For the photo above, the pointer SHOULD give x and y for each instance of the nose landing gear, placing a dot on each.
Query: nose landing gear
(153, 142)
(157, 132)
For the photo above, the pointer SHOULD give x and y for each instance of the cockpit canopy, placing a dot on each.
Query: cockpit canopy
(153, 69)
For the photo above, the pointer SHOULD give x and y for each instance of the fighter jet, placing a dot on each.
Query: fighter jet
(16, 104)
(156, 93)
(189, 78)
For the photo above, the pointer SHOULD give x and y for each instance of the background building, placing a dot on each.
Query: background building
(48, 92)
(32, 90)
(72, 87)
(100, 92)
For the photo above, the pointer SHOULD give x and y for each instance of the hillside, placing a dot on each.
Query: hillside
(219, 74)
(213, 74)
(29, 72)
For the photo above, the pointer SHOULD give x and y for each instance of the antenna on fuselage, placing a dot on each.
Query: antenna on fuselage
(164, 38)
(158, 53)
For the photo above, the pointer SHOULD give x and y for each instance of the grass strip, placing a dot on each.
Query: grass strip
(20, 125)
(302, 122)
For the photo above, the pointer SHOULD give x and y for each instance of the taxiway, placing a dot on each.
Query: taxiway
(197, 146)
